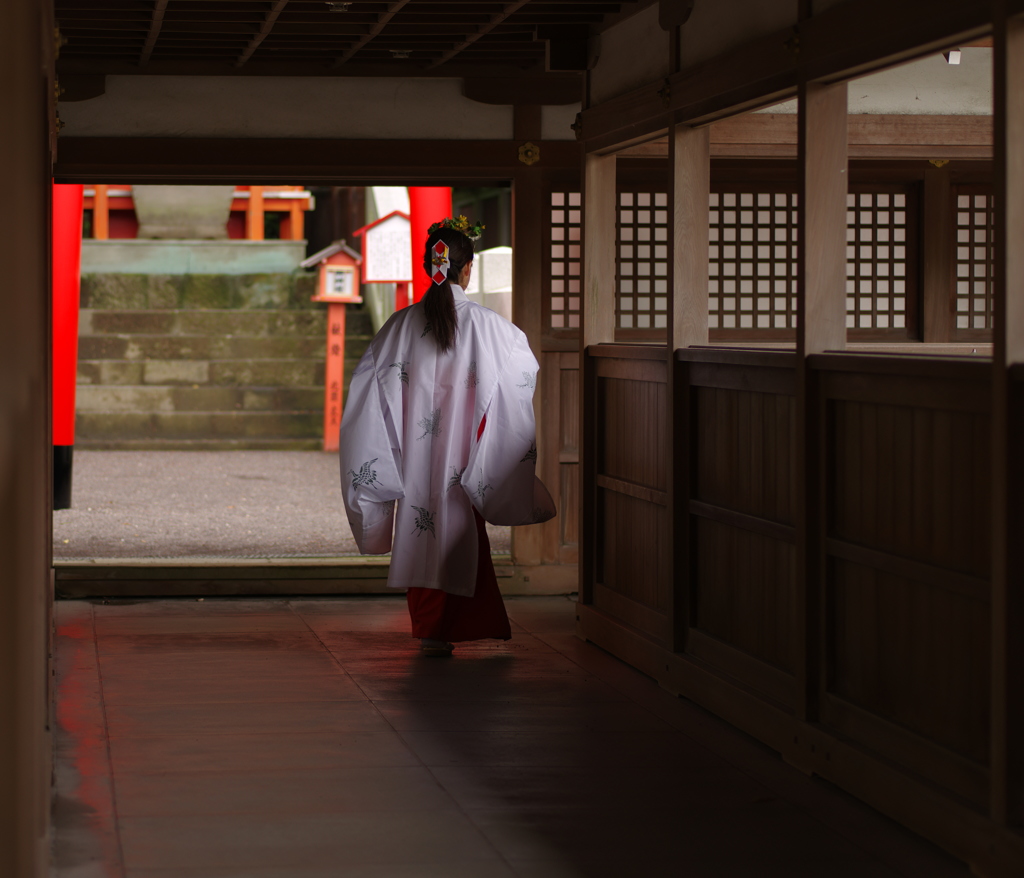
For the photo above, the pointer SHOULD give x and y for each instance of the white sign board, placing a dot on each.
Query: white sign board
(387, 252)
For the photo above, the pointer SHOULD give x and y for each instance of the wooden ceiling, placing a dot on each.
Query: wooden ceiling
(325, 37)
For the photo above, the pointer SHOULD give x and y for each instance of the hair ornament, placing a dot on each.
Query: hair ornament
(439, 259)
(461, 224)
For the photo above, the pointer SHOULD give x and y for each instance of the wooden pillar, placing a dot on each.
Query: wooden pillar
(938, 323)
(597, 326)
(26, 69)
(690, 151)
(1007, 605)
(599, 211)
(254, 215)
(690, 167)
(527, 313)
(101, 213)
(821, 326)
(296, 226)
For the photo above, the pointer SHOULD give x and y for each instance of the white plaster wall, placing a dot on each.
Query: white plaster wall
(925, 87)
(280, 106)
(719, 25)
(632, 54)
(556, 122)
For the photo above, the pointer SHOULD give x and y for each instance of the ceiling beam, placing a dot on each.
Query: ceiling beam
(265, 28)
(156, 22)
(483, 30)
(392, 10)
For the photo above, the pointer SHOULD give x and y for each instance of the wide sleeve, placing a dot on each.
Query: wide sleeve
(500, 477)
(371, 462)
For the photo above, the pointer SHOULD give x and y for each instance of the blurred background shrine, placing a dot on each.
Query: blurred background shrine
(197, 329)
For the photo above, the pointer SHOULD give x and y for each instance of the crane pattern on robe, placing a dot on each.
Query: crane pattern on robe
(366, 476)
(424, 521)
(403, 374)
(431, 425)
(471, 378)
(530, 455)
(529, 380)
(456, 478)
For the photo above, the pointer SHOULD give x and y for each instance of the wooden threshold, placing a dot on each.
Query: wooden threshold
(159, 577)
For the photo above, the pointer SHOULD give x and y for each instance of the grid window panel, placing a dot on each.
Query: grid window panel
(564, 260)
(877, 237)
(641, 261)
(752, 257)
(974, 258)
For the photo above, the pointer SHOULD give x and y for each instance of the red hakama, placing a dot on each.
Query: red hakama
(437, 615)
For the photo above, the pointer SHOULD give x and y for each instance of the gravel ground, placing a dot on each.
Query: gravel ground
(208, 504)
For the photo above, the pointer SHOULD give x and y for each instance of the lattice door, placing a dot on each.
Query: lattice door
(974, 258)
(642, 261)
(562, 260)
(881, 254)
(752, 260)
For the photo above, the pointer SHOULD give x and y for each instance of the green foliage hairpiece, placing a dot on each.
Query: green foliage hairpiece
(461, 224)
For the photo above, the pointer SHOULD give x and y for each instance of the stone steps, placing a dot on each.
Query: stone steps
(202, 378)
(130, 398)
(200, 425)
(217, 322)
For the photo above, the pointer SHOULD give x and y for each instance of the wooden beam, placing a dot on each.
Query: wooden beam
(842, 42)
(300, 161)
(774, 135)
(263, 32)
(155, 24)
(482, 31)
(386, 16)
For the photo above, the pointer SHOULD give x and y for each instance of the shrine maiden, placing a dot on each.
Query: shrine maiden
(437, 437)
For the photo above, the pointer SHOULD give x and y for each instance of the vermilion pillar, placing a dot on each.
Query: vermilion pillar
(427, 205)
(67, 267)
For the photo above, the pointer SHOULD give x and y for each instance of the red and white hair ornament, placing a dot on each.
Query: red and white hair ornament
(439, 259)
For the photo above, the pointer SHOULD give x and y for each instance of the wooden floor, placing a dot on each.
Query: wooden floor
(291, 738)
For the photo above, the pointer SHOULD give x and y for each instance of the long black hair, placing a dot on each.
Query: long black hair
(438, 303)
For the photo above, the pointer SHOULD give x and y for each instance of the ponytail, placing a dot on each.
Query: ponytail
(439, 306)
(438, 303)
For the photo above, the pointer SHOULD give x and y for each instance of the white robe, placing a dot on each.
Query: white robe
(411, 464)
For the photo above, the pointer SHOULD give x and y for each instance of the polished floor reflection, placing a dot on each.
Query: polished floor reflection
(294, 738)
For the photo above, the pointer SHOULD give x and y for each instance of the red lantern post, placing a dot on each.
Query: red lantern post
(338, 286)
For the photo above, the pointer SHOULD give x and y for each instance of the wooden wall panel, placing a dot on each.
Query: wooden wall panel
(630, 560)
(744, 590)
(912, 481)
(912, 653)
(632, 423)
(745, 452)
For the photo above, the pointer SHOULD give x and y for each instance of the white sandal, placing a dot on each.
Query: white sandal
(436, 647)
